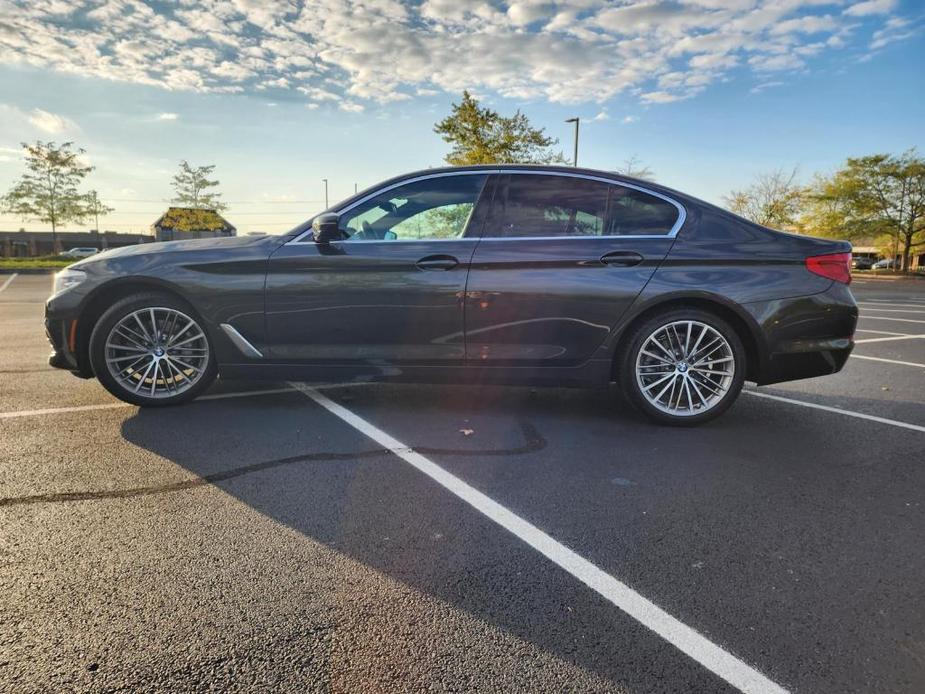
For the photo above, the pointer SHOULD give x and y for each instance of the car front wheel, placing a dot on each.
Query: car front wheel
(150, 349)
(683, 367)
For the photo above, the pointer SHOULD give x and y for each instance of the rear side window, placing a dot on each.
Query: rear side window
(566, 206)
(538, 205)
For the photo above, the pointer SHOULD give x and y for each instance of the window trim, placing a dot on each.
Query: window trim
(672, 233)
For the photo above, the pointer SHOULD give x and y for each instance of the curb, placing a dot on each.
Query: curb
(30, 271)
(887, 278)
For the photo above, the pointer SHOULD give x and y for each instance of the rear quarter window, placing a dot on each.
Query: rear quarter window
(636, 213)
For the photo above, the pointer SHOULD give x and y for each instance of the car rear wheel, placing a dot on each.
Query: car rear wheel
(682, 367)
(151, 350)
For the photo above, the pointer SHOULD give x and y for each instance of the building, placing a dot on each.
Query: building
(30, 244)
(190, 223)
(916, 259)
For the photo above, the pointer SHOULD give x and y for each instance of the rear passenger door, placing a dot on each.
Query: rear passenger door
(562, 256)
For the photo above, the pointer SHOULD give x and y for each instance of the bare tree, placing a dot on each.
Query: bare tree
(773, 200)
(96, 208)
(635, 168)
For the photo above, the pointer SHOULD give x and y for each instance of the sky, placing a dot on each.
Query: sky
(281, 94)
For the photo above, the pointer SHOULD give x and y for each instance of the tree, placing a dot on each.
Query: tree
(871, 196)
(47, 192)
(192, 186)
(482, 136)
(95, 208)
(773, 200)
(635, 168)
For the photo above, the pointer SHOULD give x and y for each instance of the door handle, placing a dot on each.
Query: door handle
(622, 258)
(437, 262)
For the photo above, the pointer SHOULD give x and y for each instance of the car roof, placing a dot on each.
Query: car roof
(545, 168)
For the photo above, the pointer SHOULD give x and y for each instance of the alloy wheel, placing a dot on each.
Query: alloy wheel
(685, 368)
(157, 352)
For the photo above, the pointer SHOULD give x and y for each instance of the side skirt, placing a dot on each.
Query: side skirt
(591, 374)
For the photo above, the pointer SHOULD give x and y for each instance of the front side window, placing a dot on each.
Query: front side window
(434, 208)
(568, 206)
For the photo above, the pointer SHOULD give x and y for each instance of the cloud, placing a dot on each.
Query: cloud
(660, 97)
(776, 63)
(562, 51)
(629, 119)
(758, 88)
(811, 24)
(895, 29)
(167, 116)
(50, 123)
(602, 115)
(862, 9)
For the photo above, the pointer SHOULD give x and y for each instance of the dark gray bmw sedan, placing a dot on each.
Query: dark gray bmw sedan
(496, 274)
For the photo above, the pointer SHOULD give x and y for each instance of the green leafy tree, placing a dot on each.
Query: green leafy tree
(192, 186)
(878, 195)
(479, 135)
(96, 208)
(774, 199)
(48, 190)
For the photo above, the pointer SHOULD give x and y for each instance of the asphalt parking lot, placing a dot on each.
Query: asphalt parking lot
(404, 538)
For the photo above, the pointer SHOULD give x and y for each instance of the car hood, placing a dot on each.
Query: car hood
(229, 243)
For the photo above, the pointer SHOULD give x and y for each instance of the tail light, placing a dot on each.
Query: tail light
(834, 266)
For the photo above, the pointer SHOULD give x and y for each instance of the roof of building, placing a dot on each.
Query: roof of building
(193, 219)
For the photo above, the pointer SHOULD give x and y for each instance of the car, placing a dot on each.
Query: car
(506, 274)
(885, 264)
(862, 263)
(79, 252)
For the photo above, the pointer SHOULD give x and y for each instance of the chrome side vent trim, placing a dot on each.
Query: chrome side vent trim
(247, 349)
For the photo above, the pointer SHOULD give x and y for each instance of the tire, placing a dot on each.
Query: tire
(677, 390)
(164, 375)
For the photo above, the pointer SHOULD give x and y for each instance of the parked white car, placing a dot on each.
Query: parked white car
(84, 252)
(885, 264)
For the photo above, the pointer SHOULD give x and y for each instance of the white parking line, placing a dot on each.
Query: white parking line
(9, 281)
(889, 339)
(115, 405)
(216, 396)
(897, 320)
(881, 332)
(838, 410)
(719, 661)
(888, 361)
(914, 303)
(891, 310)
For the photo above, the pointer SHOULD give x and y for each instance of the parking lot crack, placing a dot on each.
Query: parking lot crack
(533, 441)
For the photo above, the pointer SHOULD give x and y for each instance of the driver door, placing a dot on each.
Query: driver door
(392, 290)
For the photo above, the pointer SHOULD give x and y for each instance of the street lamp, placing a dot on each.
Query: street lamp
(576, 121)
(325, 192)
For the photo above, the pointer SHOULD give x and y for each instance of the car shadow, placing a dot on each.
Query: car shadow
(346, 492)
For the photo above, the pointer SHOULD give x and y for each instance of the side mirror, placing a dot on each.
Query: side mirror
(325, 228)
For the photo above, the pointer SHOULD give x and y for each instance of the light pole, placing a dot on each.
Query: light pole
(576, 120)
(325, 192)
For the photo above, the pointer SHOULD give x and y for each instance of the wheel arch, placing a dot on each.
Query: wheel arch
(104, 296)
(746, 328)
